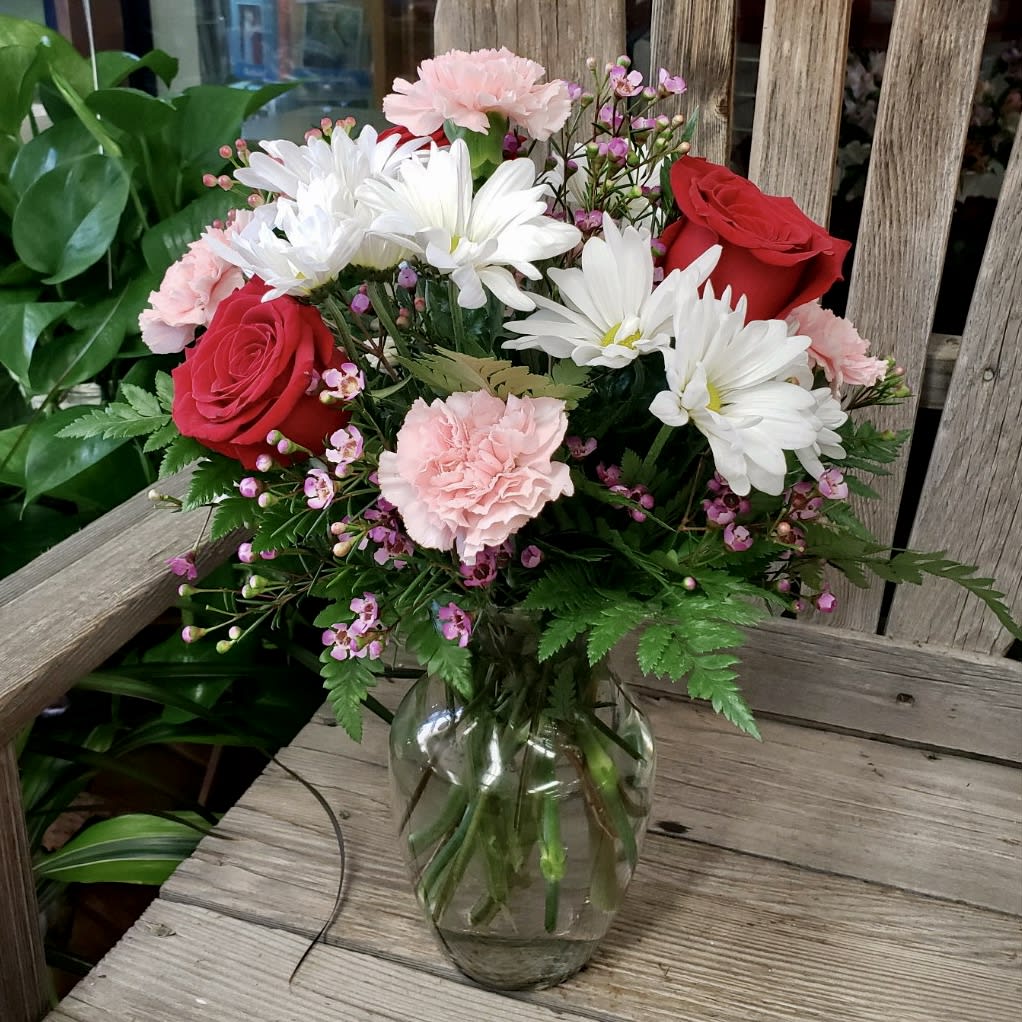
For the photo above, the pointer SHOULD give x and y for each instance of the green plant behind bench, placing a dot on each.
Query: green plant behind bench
(93, 209)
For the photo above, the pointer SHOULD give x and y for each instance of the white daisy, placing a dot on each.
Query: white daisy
(611, 313)
(731, 380)
(429, 206)
(829, 417)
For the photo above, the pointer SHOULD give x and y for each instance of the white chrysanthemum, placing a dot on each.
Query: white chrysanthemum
(429, 206)
(611, 313)
(350, 160)
(316, 227)
(731, 381)
(829, 417)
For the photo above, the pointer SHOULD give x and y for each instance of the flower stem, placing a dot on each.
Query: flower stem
(656, 447)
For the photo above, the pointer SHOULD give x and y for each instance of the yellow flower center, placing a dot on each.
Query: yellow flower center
(714, 402)
(455, 242)
(611, 337)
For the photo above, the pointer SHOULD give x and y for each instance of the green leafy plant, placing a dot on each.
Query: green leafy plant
(94, 206)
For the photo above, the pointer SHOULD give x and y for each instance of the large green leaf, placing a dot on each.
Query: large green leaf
(211, 117)
(59, 53)
(51, 461)
(21, 323)
(15, 61)
(168, 240)
(100, 330)
(66, 221)
(115, 66)
(59, 143)
(131, 110)
(132, 849)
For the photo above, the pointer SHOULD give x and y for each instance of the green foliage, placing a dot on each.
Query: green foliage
(93, 209)
(449, 371)
(133, 849)
(437, 655)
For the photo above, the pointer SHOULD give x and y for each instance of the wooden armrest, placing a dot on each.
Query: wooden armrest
(73, 606)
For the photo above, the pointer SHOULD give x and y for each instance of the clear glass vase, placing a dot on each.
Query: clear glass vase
(521, 809)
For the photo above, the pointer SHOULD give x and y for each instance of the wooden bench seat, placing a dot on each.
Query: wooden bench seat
(814, 876)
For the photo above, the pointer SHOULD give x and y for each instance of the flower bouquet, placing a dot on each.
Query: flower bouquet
(494, 413)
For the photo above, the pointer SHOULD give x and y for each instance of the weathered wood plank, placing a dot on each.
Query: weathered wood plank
(925, 103)
(942, 826)
(874, 685)
(971, 504)
(185, 964)
(798, 100)
(70, 609)
(706, 933)
(24, 981)
(696, 39)
(559, 36)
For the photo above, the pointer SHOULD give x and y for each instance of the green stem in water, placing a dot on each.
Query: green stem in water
(604, 774)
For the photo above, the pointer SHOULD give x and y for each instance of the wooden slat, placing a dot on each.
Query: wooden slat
(706, 933)
(70, 609)
(238, 972)
(876, 686)
(559, 36)
(972, 501)
(925, 104)
(798, 100)
(696, 39)
(24, 981)
(942, 826)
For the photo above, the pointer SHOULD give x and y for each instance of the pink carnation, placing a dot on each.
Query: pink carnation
(465, 87)
(188, 296)
(837, 347)
(470, 471)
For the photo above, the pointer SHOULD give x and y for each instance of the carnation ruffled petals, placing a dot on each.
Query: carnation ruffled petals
(471, 470)
(189, 295)
(464, 87)
(837, 347)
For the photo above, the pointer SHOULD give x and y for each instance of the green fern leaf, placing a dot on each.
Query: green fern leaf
(557, 635)
(181, 452)
(145, 404)
(612, 626)
(211, 479)
(161, 438)
(165, 391)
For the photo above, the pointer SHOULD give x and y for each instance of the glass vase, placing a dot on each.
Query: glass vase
(522, 807)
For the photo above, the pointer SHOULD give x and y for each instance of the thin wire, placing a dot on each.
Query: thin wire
(87, 8)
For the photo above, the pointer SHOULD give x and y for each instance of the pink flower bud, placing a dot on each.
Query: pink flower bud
(531, 556)
(264, 463)
(245, 554)
(192, 633)
(226, 152)
(250, 487)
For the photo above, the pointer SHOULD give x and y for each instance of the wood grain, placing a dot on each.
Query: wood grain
(971, 505)
(942, 826)
(925, 104)
(706, 933)
(70, 609)
(185, 964)
(559, 36)
(24, 981)
(874, 685)
(798, 100)
(696, 39)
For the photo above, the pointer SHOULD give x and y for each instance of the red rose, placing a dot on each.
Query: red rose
(404, 135)
(252, 371)
(773, 253)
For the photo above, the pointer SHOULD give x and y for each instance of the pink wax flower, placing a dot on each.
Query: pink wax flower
(737, 537)
(190, 293)
(531, 556)
(832, 485)
(471, 470)
(184, 565)
(837, 347)
(455, 624)
(320, 488)
(465, 87)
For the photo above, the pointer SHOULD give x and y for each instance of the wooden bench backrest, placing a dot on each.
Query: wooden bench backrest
(970, 504)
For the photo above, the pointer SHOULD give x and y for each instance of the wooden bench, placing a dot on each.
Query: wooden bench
(863, 863)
